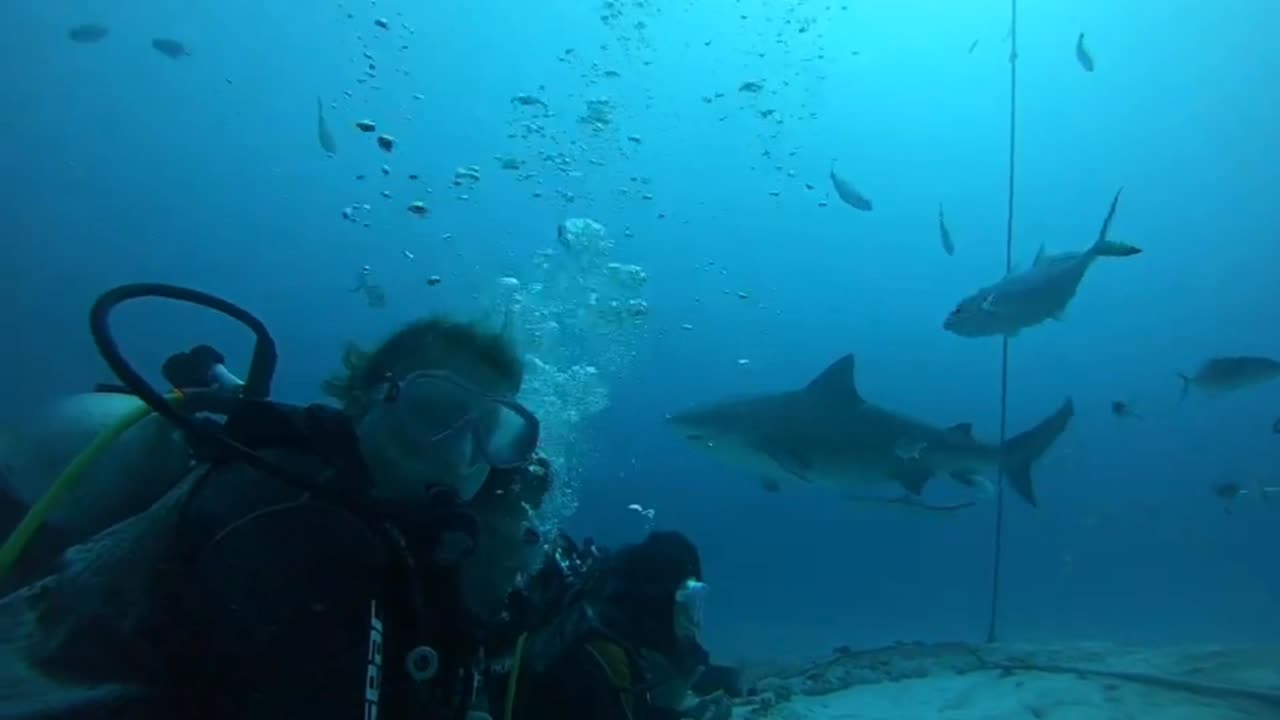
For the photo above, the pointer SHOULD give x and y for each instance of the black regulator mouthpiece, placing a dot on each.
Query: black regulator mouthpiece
(201, 367)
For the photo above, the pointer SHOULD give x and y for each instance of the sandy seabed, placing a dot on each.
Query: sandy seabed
(1081, 681)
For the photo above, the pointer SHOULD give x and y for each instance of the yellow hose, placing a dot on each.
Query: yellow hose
(509, 711)
(65, 484)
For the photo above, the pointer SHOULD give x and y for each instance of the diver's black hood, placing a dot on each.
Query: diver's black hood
(639, 584)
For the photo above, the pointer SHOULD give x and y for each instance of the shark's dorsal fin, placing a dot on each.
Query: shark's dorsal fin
(962, 430)
(837, 379)
(1039, 256)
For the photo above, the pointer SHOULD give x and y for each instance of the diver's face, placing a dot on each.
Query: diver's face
(408, 446)
(400, 468)
(433, 428)
(689, 600)
(508, 548)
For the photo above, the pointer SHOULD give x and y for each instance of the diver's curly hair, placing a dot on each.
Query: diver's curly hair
(436, 342)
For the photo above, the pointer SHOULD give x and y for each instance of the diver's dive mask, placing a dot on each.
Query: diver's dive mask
(446, 414)
(691, 597)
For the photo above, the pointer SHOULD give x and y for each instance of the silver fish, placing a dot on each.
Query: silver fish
(1024, 299)
(1083, 56)
(948, 246)
(1223, 374)
(170, 48)
(847, 192)
(322, 130)
(88, 33)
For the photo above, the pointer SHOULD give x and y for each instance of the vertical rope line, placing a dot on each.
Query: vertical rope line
(997, 553)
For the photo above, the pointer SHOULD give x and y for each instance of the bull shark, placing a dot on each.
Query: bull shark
(826, 432)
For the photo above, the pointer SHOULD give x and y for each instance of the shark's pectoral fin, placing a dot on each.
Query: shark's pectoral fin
(961, 431)
(974, 481)
(794, 463)
(770, 485)
(911, 477)
(909, 449)
(911, 502)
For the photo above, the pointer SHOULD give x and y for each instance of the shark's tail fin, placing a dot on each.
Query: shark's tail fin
(1024, 449)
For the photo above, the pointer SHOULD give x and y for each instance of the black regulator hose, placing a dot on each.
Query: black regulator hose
(257, 385)
(262, 368)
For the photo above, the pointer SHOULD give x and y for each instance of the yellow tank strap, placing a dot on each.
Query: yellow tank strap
(617, 666)
(515, 677)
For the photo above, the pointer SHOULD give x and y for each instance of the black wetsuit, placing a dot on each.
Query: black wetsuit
(281, 605)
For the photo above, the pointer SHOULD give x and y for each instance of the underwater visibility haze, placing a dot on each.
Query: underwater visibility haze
(775, 268)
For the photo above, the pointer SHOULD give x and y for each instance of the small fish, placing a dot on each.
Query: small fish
(170, 48)
(948, 246)
(527, 100)
(1222, 374)
(322, 130)
(88, 33)
(848, 193)
(1122, 409)
(972, 46)
(1083, 56)
(1229, 490)
(374, 295)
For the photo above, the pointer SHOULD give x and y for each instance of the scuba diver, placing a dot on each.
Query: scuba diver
(314, 562)
(509, 548)
(608, 636)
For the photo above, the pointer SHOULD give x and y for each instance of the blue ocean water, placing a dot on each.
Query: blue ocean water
(121, 164)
